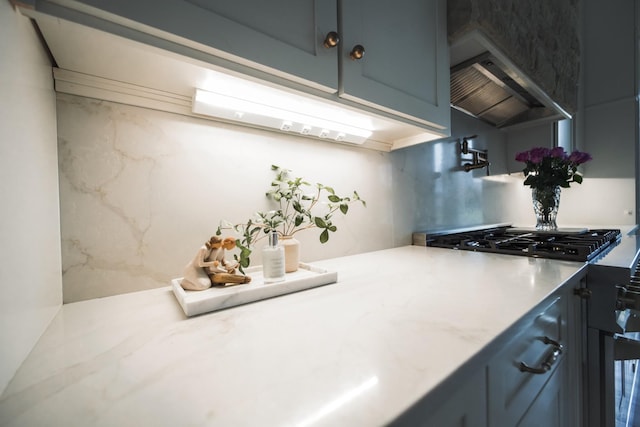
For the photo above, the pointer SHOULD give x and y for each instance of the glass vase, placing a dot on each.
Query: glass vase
(545, 205)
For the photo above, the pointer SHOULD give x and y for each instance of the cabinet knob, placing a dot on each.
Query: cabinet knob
(331, 40)
(357, 52)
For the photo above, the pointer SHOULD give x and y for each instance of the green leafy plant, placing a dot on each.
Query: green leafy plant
(297, 207)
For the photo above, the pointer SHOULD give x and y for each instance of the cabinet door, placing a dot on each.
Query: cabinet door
(405, 67)
(511, 390)
(285, 36)
(467, 408)
(463, 403)
(548, 408)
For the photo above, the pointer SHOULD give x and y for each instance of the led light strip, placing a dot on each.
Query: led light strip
(276, 114)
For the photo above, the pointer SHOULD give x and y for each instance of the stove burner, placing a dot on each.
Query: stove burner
(507, 240)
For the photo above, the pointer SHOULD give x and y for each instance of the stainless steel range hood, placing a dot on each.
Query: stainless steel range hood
(487, 85)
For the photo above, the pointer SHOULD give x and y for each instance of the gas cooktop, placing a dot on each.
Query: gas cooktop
(569, 244)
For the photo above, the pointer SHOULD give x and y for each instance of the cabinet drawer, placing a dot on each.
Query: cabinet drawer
(512, 390)
(461, 402)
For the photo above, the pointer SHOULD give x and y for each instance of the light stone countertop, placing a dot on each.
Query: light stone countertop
(355, 353)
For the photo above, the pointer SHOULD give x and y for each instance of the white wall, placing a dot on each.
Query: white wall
(597, 202)
(30, 270)
(142, 190)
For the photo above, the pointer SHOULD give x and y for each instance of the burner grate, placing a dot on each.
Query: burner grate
(506, 240)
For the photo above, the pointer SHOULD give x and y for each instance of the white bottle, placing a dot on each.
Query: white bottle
(273, 260)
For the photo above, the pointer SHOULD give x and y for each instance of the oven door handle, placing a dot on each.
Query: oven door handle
(548, 362)
(625, 348)
(628, 298)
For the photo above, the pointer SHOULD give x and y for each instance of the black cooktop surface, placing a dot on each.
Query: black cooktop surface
(574, 245)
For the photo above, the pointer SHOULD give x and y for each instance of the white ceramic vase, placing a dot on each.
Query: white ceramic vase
(291, 247)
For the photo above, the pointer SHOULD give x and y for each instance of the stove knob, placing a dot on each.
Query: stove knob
(583, 293)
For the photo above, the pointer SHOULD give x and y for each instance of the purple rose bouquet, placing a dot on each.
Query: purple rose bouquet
(547, 168)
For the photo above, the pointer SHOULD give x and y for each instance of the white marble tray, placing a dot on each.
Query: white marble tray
(217, 298)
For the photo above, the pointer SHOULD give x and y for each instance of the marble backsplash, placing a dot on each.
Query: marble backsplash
(141, 191)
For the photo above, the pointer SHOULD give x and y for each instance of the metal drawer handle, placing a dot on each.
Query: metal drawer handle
(548, 362)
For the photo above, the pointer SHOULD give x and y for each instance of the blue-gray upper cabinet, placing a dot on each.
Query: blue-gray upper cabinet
(405, 63)
(404, 70)
(283, 37)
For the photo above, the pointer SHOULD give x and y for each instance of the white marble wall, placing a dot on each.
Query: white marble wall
(604, 202)
(30, 273)
(141, 191)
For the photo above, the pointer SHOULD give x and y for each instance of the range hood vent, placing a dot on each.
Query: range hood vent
(487, 86)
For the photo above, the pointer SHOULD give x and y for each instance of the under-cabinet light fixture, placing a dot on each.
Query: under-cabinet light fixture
(279, 110)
